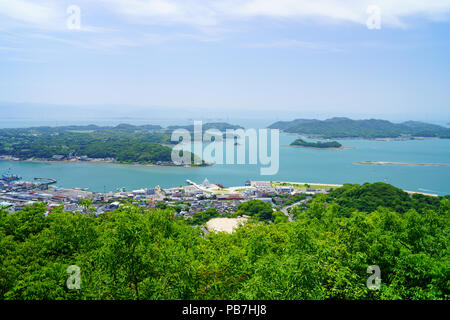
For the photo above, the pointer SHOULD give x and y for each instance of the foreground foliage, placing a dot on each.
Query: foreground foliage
(135, 253)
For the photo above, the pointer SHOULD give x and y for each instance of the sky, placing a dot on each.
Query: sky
(283, 58)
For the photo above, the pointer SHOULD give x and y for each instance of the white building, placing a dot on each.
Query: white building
(284, 189)
(206, 183)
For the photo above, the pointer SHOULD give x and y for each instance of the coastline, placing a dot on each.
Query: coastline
(383, 163)
(310, 183)
(340, 148)
(341, 185)
(362, 138)
(104, 161)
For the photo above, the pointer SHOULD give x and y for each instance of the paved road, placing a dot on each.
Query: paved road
(285, 210)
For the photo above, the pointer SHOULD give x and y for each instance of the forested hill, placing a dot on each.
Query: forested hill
(369, 129)
(123, 127)
(125, 143)
(319, 145)
(121, 145)
(368, 197)
(136, 253)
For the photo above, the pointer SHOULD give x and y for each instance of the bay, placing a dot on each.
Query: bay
(296, 164)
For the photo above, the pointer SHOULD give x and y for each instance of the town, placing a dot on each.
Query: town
(187, 200)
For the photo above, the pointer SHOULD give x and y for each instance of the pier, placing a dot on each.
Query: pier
(44, 184)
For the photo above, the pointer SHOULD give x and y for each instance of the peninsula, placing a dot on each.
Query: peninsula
(124, 143)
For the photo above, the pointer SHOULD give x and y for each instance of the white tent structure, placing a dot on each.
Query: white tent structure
(206, 183)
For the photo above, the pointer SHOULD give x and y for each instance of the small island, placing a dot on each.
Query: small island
(317, 145)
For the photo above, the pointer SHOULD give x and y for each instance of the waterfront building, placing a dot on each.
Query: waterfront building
(206, 183)
(284, 189)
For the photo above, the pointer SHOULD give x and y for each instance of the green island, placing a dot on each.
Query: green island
(339, 127)
(140, 253)
(319, 145)
(124, 143)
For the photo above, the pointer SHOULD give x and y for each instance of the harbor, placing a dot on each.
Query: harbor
(296, 164)
(191, 198)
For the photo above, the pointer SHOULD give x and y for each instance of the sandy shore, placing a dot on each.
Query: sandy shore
(403, 164)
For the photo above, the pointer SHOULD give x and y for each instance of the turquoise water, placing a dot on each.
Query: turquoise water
(296, 164)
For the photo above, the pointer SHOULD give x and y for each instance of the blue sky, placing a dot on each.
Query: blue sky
(296, 57)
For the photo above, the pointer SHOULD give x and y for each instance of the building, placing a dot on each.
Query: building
(192, 191)
(206, 183)
(284, 189)
(58, 157)
(261, 184)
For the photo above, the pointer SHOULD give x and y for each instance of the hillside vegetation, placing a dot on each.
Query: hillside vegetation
(125, 143)
(320, 145)
(370, 129)
(135, 253)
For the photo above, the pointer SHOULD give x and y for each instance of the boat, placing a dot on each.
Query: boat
(8, 177)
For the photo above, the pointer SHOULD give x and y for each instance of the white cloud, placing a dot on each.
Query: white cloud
(50, 15)
(203, 13)
(213, 12)
(191, 12)
(210, 18)
(35, 13)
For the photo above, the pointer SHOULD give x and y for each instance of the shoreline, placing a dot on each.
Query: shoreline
(385, 163)
(341, 185)
(362, 138)
(340, 148)
(105, 161)
(310, 183)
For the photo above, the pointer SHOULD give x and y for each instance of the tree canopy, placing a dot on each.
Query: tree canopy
(340, 127)
(136, 253)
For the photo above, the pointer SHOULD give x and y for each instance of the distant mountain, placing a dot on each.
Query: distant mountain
(221, 126)
(130, 127)
(120, 128)
(369, 129)
(92, 127)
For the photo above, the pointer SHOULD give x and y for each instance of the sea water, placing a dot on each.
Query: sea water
(296, 164)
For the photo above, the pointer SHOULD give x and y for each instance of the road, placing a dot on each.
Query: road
(285, 210)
